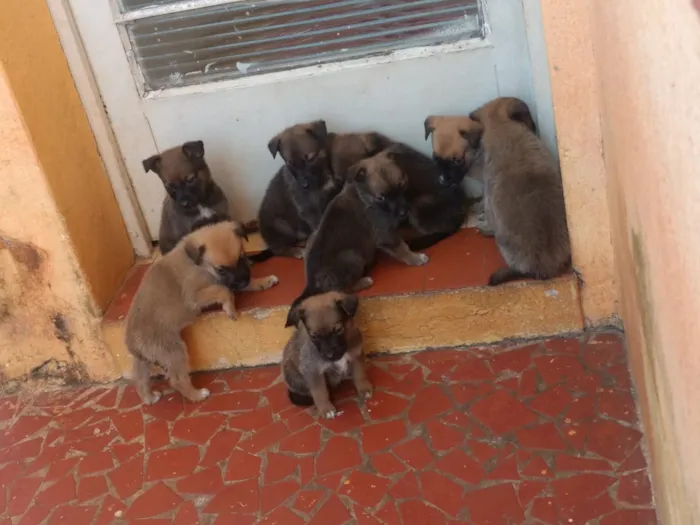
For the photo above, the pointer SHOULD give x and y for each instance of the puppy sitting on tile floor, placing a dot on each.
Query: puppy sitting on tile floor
(325, 349)
(205, 268)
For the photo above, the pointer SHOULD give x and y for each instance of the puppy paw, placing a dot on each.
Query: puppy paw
(420, 259)
(297, 253)
(203, 393)
(365, 392)
(328, 412)
(230, 310)
(270, 281)
(363, 284)
(153, 398)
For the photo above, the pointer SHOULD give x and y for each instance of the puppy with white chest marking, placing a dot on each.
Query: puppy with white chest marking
(363, 218)
(193, 198)
(205, 268)
(523, 194)
(325, 349)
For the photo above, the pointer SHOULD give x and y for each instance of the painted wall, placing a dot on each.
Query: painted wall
(641, 85)
(49, 322)
(575, 97)
(64, 144)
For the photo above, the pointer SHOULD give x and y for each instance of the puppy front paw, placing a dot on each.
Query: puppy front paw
(419, 259)
(328, 412)
(297, 253)
(270, 281)
(365, 390)
(230, 309)
(153, 398)
(203, 393)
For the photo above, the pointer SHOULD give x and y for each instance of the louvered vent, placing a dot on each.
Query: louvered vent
(238, 39)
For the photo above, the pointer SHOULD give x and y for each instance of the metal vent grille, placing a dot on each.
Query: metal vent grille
(238, 39)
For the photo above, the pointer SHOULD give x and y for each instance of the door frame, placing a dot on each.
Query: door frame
(103, 127)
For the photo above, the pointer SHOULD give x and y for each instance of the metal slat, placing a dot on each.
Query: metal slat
(247, 38)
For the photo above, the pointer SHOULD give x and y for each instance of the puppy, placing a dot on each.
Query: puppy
(523, 195)
(325, 349)
(457, 152)
(347, 149)
(205, 268)
(436, 210)
(193, 198)
(299, 192)
(363, 218)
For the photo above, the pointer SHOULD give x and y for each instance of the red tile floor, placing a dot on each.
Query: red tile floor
(541, 433)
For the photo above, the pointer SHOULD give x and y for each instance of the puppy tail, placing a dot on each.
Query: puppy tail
(507, 274)
(426, 241)
(261, 256)
(300, 400)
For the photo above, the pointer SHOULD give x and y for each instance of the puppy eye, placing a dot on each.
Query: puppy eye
(221, 271)
(381, 198)
(191, 179)
(340, 330)
(311, 156)
(457, 160)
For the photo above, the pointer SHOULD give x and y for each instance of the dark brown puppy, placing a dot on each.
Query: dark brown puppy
(193, 198)
(363, 218)
(325, 350)
(347, 149)
(299, 192)
(523, 195)
(436, 210)
(205, 268)
(314, 172)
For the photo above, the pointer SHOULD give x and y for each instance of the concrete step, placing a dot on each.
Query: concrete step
(445, 303)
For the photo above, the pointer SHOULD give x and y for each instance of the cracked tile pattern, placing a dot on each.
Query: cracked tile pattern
(541, 433)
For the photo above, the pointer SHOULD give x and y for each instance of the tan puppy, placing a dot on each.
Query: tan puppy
(204, 269)
(325, 349)
(523, 195)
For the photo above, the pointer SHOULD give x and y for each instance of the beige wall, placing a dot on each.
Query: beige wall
(65, 146)
(644, 69)
(49, 323)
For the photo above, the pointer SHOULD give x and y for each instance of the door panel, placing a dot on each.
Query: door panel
(236, 120)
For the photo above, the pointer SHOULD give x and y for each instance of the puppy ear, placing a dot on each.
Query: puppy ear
(274, 145)
(348, 305)
(193, 149)
(473, 136)
(239, 230)
(520, 112)
(195, 253)
(153, 164)
(357, 173)
(317, 129)
(429, 126)
(296, 314)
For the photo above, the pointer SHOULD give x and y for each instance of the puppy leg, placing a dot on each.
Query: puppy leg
(507, 274)
(321, 397)
(360, 379)
(178, 373)
(483, 226)
(142, 380)
(262, 283)
(217, 294)
(403, 253)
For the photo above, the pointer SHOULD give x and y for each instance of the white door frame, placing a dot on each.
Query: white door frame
(114, 58)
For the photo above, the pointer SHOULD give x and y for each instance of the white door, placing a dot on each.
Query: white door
(234, 73)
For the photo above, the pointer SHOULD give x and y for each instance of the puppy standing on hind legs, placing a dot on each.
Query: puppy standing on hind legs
(325, 349)
(523, 195)
(205, 268)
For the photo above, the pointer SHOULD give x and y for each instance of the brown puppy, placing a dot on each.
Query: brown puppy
(523, 195)
(193, 198)
(325, 349)
(347, 149)
(205, 268)
(363, 218)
